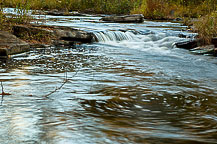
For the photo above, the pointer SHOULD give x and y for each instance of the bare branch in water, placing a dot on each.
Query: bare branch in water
(63, 83)
(2, 88)
(2, 92)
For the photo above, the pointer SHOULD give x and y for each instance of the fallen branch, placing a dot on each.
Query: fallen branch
(2, 88)
(3, 93)
(58, 88)
(63, 83)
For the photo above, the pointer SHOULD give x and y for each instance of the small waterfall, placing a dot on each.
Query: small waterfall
(107, 36)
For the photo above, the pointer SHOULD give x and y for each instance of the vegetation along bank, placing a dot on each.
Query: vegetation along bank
(200, 15)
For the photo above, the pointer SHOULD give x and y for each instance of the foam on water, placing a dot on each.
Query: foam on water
(155, 42)
(113, 36)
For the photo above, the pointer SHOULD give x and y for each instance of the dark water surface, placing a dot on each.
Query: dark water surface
(137, 89)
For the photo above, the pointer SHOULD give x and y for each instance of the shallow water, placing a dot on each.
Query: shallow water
(137, 89)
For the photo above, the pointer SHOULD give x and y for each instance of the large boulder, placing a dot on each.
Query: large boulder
(136, 18)
(73, 35)
(10, 44)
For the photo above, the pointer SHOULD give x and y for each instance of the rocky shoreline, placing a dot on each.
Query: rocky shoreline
(13, 43)
(196, 46)
(22, 36)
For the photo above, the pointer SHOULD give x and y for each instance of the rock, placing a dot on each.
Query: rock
(3, 53)
(56, 12)
(183, 36)
(188, 44)
(137, 18)
(30, 31)
(38, 45)
(73, 35)
(215, 51)
(38, 12)
(10, 44)
(201, 50)
(214, 41)
(178, 19)
(58, 34)
(63, 43)
(191, 44)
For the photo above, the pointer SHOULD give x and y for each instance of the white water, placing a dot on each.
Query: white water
(155, 42)
(114, 36)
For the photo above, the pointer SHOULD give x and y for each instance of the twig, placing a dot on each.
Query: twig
(2, 88)
(63, 83)
(58, 88)
(2, 93)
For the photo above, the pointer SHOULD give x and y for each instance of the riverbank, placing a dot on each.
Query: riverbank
(202, 10)
(205, 26)
(36, 36)
(149, 8)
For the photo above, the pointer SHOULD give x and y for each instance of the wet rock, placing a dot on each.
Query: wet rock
(191, 44)
(38, 12)
(137, 18)
(3, 53)
(201, 50)
(10, 44)
(178, 19)
(188, 44)
(63, 43)
(38, 45)
(73, 35)
(185, 36)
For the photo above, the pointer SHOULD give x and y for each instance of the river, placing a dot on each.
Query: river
(131, 86)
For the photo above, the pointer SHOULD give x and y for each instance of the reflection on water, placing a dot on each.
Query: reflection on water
(116, 93)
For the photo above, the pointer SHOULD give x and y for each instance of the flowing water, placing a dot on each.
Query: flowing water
(131, 86)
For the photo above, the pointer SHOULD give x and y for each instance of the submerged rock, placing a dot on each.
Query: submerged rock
(10, 44)
(201, 50)
(137, 18)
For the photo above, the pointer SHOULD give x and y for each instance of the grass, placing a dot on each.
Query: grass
(95, 6)
(206, 27)
(7, 21)
(155, 9)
